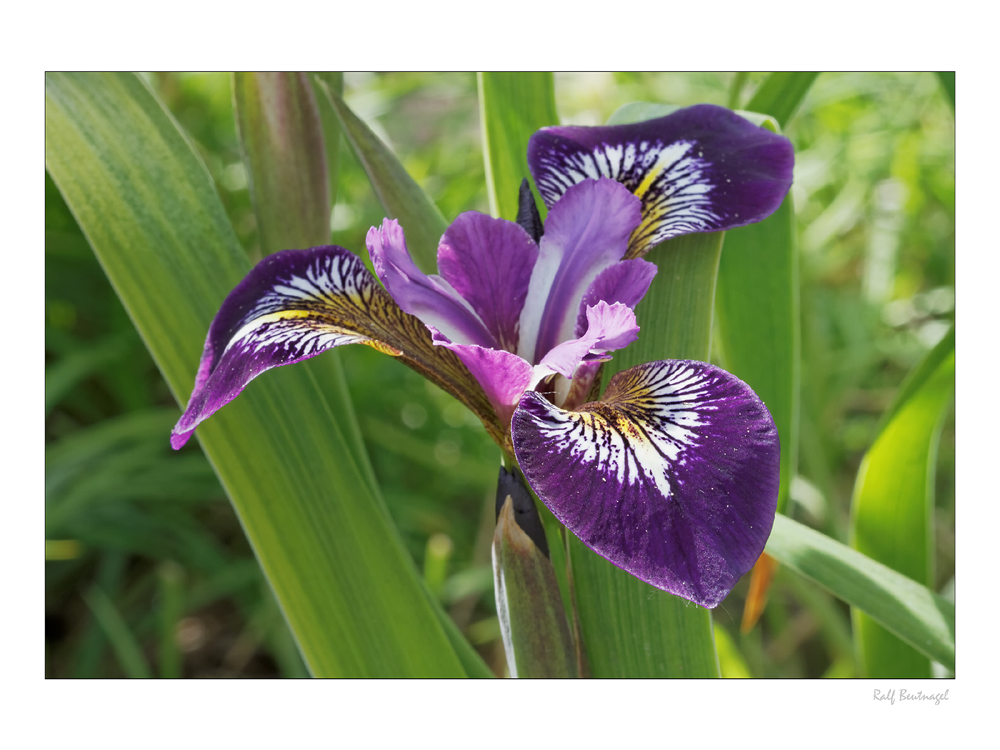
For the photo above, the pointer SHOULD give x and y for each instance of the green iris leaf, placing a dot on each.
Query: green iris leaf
(400, 195)
(512, 107)
(912, 612)
(893, 502)
(145, 201)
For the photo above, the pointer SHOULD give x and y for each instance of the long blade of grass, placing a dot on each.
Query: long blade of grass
(123, 643)
(757, 301)
(400, 195)
(757, 298)
(629, 628)
(281, 137)
(891, 512)
(512, 106)
(912, 612)
(331, 125)
(350, 592)
(781, 94)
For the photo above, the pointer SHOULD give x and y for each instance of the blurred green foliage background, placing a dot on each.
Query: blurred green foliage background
(147, 569)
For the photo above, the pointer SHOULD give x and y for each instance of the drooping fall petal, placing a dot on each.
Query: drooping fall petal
(673, 476)
(297, 304)
(699, 169)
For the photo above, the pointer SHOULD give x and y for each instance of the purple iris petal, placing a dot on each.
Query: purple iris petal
(699, 169)
(489, 262)
(430, 298)
(502, 375)
(292, 306)
(626, 282)
(673, 476)
(610, 327)
(586, 232)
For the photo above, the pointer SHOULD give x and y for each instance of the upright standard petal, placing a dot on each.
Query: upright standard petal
(673, 476)
(430, 298)
(699, 169)
(626, 282)
(489, 262)
(586, 232)
(298, 303)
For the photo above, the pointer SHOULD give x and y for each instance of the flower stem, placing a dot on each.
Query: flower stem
(533, 620)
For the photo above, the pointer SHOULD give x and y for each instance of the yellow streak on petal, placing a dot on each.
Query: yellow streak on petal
(384, 348)
(647, 181)
(282, 315)
(598, 415)
(378, 346)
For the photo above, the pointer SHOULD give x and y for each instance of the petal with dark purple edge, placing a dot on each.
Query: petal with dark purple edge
(626, 282)
(673, 476)
(699, 169)
(298, 303)
(488, 262)
(502, 375)
(585, 232)
(430, 298)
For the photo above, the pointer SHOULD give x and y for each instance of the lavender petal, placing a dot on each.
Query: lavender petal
(586, 232)
(626, 282)
(609, 328)
(430, 298)
(489, 262)
(503, 376)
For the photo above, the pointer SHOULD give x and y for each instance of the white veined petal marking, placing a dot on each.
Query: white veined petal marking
(671, 180)
(673, 476)
(646, 426)
(298, 330)
(309, 313)
(297, 304)
(329, 280)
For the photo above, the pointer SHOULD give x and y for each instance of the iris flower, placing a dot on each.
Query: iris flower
(672, 473)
